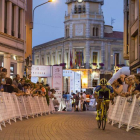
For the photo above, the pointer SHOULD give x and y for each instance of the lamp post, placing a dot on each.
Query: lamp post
(39, 6)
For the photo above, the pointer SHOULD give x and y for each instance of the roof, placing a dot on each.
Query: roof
(50, 42)
(114, 35)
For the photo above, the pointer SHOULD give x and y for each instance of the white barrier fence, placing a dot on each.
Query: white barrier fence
(125, 111)
(14, 107)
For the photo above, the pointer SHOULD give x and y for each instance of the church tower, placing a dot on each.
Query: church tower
(84, 18)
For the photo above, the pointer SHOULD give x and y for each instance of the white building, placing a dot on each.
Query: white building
(87, 42)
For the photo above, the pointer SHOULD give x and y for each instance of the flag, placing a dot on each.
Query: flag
(70, 59)
(82, 58)
(75, 58)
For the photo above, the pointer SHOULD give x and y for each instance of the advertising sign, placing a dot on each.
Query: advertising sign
(40, 71)
(57, 81)
(77, 82)
(67, 73)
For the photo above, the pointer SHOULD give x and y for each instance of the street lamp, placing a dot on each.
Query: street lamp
(39, 6)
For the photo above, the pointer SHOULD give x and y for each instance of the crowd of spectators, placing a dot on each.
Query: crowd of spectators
(127, 85)
(24, 86)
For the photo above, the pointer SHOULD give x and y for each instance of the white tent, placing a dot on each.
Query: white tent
(123, 70)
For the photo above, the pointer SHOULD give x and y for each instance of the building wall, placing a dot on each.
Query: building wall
(13, 34)
(131, 33)
(79, 37)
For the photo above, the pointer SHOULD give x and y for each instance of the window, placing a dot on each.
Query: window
(116, 59)
(59, 58)
(79, 58)
(136, 47)
(95, 57)
(48, 60)
(94, 83)
(19, 24)
(67, 32)
(12, 32)
(42, 61)
(93, 31)
(53, 59)
(5, 18)
(37, 61)
(79, 8)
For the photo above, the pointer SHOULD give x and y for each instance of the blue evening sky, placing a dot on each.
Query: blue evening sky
(49, 19)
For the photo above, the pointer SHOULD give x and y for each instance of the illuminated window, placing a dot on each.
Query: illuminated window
(95, 57)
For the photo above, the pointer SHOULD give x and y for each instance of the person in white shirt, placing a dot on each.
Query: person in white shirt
(125, 84)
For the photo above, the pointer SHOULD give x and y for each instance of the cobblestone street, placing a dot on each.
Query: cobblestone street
(65, 126)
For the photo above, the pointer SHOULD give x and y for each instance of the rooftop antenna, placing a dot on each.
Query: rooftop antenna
(112, 21)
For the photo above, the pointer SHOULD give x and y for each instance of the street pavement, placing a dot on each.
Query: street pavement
(65, 126)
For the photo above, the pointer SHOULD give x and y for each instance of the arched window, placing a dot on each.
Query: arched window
(66, 31)
(97, 32)
(93, 31)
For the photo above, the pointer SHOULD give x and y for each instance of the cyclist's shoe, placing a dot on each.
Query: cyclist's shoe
(97, 118)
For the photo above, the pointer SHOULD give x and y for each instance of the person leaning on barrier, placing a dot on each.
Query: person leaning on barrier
(131, 86)
(119, 87)
(137, 88)
(8, 86)
(16, 80)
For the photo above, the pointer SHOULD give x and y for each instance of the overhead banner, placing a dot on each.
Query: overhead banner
(57, 81)
(77, 82)
(40, 71)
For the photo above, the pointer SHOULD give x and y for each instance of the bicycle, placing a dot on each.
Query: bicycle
(102, 114)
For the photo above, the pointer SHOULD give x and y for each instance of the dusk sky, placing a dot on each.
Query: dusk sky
(49, 19)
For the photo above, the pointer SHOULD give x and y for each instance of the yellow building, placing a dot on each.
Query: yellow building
(87, 45)
(131, 34)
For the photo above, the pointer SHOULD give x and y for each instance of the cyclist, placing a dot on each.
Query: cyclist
(104, 90)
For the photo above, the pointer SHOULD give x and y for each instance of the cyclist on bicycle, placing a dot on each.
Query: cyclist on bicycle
(104, 90)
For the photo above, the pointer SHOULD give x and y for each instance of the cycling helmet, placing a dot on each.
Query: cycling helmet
(103, 81)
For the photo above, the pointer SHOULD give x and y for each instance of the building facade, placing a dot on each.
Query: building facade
(131, 34)
(15, 34)
(89, 46)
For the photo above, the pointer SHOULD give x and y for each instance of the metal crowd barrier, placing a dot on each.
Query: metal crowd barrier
(14, 107)
(125, 111)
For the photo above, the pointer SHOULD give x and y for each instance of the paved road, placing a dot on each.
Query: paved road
(65, 126)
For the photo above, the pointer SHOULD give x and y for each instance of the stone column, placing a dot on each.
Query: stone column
(109, 57)
(20, 66)
(56, 56)
(103, 53)
(16, 15)
(87, 54)
(7, 63)
(22, 24)
(2, 9)
(9, 17)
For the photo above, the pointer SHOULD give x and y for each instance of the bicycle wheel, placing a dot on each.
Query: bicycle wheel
(99, 124)
(104, 119)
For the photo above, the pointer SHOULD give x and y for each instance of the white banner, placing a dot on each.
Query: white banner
(57, 81)
(77, 82)
(40, 71)
(72, 83)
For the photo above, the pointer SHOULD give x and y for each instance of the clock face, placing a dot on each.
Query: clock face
(80, 0)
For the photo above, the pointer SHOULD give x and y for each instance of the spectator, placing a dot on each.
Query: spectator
(56, 104)
(84, 104)
(21, 84)
(16, 81)
(124, 80)
(77, 101)
(119, 87)
(29, 77)
(137, 81)
(8, 86)
(81, 102)
(131, 85)
(87, 100)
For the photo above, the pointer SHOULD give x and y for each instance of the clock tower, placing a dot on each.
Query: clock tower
(84, 22)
